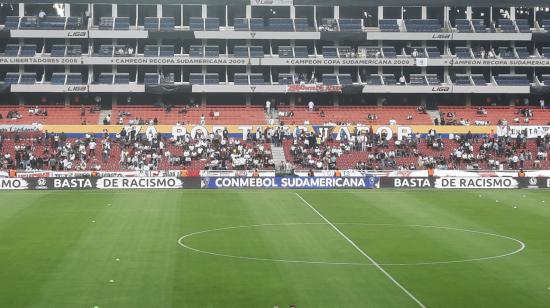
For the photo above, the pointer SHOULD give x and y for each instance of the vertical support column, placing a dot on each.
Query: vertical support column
(314, 20)
(468, 100)
(424, 11)
(115, 10)
(204, 11)
(137, 16)
(468, 12)
(91, 13)
(159, 10)
(248, 13)
(67, 68)
(513, 13)
(292, 11)
(21, 9)
(336, 12)
(380, 12)
(226, 16)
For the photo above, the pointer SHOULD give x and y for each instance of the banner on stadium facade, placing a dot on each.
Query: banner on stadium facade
(241, 131)
(139, 182)
(13, 184)
(290, 182)
(20, 128)
(407, 182)
(534, 182)
(40, 60)
(76, 183)
(271, 2)
(476, 182)
(532, 131)
(313, 88)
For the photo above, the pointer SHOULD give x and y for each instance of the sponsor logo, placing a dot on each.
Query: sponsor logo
(72, 183)
(77, 34)
(289, 182)
(476, 182)
(140, 182)
(441, 89)
(411, 183)
(77, 89)
(13, 183)
(441, 36)
(314, 88)
(41, 183)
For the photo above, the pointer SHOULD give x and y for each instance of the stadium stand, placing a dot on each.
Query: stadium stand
(48, 115)
(214, 114)
(352, 115)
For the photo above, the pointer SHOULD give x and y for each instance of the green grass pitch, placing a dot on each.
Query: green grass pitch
(261, 248)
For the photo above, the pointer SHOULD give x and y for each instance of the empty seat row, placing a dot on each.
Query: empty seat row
(273, 24)
(204, 24)
(14, 50)
(337, 79)
(20, 78)
(158, 51)
(110, 78)
(423, 25)
(200, 51)
(66, 51)
(388, 25)
(68, 79)
(248, 52)
(159, 24)
(46, 23)
(114, 23)
(208, 78)
(512, 80)
(337, 52)
(249, 79)
(469, 80)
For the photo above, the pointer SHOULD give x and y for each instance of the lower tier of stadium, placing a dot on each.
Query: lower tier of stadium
(256, 115)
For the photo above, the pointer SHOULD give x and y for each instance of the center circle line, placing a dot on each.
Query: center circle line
(181, 243)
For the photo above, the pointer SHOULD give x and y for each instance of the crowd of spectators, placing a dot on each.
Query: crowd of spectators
(459, 151)
(131, 150)
(136, 151)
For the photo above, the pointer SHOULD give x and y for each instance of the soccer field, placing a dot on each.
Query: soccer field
(261, 248)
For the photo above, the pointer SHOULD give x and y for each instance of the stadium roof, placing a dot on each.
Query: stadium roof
(362, 3)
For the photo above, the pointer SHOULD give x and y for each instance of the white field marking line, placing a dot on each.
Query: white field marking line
(390, 277)
(181, 243)
(521, 244)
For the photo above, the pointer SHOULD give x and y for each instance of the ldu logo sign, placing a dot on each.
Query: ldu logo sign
(253, 34)
(441, 89)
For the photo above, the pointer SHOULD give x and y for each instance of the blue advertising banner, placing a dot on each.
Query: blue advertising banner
(290, 182)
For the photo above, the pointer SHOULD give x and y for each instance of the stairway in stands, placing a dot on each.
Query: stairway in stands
(102, 116)
(434, 114)
(278, 156)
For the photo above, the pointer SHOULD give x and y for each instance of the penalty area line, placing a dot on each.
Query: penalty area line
(390, 277)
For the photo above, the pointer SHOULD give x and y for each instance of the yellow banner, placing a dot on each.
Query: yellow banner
(238, 129)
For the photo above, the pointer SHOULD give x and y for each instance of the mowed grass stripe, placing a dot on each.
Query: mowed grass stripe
(518, 280)
(52, 255)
